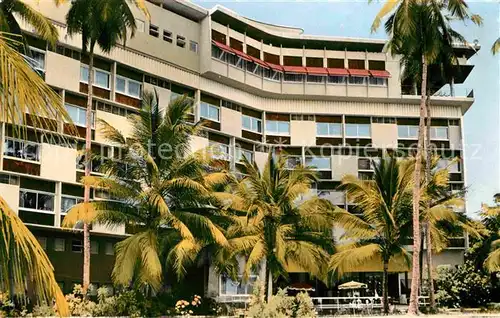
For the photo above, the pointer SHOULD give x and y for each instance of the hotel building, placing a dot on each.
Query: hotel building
(332, 103)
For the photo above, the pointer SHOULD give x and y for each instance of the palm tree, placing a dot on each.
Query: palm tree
(495, 48)
(42, 26)
(22, 260)
(416, 28)
(379, 235)
(439, 217)
(279, 225)
(159, 190)
(103, 23)
(491, 219)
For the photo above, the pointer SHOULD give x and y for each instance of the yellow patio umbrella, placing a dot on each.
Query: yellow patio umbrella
(352, 285)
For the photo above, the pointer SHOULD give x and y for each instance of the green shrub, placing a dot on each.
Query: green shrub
(464, 286)
(280, 305)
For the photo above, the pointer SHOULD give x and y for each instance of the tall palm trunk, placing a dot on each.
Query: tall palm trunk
(413, 307)
(385, 287)
(428, 240)
(86, 195)
(269, 283)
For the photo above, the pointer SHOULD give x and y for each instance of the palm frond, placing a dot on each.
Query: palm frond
(23, 262)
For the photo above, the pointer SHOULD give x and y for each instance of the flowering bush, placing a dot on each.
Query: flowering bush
(186, 308)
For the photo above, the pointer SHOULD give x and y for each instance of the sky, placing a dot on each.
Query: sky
(354, 18)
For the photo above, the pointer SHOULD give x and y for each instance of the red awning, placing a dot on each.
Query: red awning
(224, 47)
(257, 61)
(275, 67)
(316, 71)
(382, 74)
(337, 72)
(358, 72)
(295, 69)
(244, 56)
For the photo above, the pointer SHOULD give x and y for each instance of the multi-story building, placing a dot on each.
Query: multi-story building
(331, 103)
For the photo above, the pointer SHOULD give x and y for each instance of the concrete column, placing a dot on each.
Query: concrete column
(325, 59)
(2, 143)
(60, 120)
(232, 153)
(113, 81)
(304, 60)
(57, 204)
(245, 42)
(196, 105)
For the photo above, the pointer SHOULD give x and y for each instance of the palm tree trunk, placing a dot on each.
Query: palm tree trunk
(269, 282)
(428, 239)
(385, 287)
(413, 307)
(86, 195)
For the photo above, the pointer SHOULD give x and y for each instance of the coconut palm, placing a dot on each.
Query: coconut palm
(416, 28)
(378, 236)
(280, 226)
(103, 23)
(22, 260)
(491, 220)
(495, 48)
(159, 190)
(439, 217)
(9, 9)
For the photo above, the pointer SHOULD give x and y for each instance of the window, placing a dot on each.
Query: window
(336, 79)
(139, 25)
(274, 127)
(153, 30)
(316, 79)
(209, 111)
(218, 53)
(22, 149)
(128, 86)
(193, 46)
(94, 247)
(230, 287)
(251, 123)
(38, 58)
(36, 201)
(329, 129)
(439, 133)
(240, 153)
(181, 41)
(319, 163)
(453, 166)
(407, 132)
(367, 163)
(238, 61)
(167, 36)
(219, 151)
(101, 78)
(68, 202)
(79, 115)
(379, 81)
(109, 249)
(42, 241)
(383, 120)
(254, 68)
(290, 77)
(76, 246)
(9, 179)
(293, 161)
(357, 80)
(59, 244)
(357, 130)
(272, 74)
